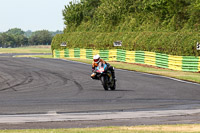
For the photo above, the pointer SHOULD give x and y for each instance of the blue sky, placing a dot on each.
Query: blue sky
(32, 14)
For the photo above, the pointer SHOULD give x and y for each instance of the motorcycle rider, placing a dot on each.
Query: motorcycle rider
(96, 61)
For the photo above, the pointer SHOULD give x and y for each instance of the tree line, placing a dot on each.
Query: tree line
(162, 26)
(16, 37)
(132, 15)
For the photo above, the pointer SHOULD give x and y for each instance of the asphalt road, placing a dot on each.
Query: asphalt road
(53, 88)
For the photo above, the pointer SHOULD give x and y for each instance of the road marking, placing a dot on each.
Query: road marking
(52, 113)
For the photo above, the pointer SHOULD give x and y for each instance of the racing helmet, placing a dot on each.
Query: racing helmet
(96, 58)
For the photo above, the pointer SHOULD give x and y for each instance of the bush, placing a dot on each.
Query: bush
(174, 43)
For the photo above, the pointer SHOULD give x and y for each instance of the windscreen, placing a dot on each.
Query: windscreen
(100, 67)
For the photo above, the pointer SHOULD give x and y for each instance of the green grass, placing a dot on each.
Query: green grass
(37, 56)
(193, 128)
(30, 49)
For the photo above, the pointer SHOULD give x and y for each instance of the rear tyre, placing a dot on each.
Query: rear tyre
(104, 82)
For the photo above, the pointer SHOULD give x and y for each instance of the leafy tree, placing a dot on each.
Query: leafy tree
(20, 40)
(28, 33)
(76, 13)
(7, 40)
(16, 37)
(73, 14)
(15, 31)
(172, 12)
(56, 32)
(142, 14)
(42, 37)
(1, 43)
(194, 19)
(89, 8)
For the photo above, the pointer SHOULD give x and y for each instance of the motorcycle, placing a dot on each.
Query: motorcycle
(102, 73)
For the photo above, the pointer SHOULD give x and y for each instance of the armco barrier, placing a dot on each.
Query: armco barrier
(182, 63)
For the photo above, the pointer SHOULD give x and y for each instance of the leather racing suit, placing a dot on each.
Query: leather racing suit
(94, 65)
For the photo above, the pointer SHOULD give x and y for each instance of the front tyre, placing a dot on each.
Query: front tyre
(104, 82)
(113, 87)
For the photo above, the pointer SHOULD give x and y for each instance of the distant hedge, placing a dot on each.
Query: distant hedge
(173, 43)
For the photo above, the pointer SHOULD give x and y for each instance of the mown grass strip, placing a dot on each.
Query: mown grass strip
(38, 49)
(193, 128)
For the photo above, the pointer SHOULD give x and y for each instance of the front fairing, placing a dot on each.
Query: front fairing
(101, 68)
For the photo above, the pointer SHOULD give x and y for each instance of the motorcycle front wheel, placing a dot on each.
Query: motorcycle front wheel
(104, 82)
(113, 87)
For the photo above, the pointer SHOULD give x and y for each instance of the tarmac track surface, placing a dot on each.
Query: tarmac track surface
(49, 92)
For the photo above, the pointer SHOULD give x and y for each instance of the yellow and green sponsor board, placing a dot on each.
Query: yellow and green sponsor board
(181, 63)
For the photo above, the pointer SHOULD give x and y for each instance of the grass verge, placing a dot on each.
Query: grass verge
(30, 49)
(37, 56)
(193, 128)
